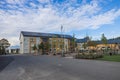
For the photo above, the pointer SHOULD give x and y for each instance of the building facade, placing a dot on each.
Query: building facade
(112, 44)
(55, 42)
(81, 43)
(13, 50)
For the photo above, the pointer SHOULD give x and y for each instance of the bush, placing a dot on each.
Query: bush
(88, 56)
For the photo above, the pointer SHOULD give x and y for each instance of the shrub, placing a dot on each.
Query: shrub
(88, 56)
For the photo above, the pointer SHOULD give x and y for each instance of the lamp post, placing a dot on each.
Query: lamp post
(62, 41)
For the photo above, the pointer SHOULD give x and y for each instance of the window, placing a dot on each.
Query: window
(32, 39)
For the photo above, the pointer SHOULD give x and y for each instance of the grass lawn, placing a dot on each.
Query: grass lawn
(115, 58)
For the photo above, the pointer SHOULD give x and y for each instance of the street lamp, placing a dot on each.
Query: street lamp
(62, 41)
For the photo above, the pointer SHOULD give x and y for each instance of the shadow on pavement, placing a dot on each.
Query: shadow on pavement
(4, 61)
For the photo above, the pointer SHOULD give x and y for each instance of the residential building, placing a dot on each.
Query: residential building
(13, 50)
(55, 42)
(112, 44)
(81, 43)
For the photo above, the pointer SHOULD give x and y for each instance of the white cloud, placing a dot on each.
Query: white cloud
(44, 1)
(33, 5)
(15, 1)
(106, 18)
(49, 19)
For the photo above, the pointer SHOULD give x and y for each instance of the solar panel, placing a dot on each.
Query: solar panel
(37, 34)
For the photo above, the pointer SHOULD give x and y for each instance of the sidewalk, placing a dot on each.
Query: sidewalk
(4, 61)
(71, 55)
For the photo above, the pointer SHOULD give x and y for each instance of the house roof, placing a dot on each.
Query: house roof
(110, 41)
(13, 47)
(82, 40)
(49, 35)
(114, 41)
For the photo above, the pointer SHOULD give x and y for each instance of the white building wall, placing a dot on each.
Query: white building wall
(21, 43)
(24, 44)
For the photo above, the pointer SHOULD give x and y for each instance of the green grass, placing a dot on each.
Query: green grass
(115, 58)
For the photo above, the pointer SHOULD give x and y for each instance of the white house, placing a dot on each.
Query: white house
(56, 41)
(81, 42)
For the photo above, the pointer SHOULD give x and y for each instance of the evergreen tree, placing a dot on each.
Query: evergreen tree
(104, 39)
(42, 47)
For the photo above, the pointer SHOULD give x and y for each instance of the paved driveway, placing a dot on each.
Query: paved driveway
(27, 67)
(4, 61)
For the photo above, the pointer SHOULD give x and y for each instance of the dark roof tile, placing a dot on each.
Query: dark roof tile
(38, 34)
(82, 40)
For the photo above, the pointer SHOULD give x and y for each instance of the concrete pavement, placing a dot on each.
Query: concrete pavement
(42, 67)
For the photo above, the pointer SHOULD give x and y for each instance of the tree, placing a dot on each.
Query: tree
(2, 50)
(73, 43)
(34, 48)
(39, 47)
(4, 43)
(42, 47)
(46, 47)
(91, 43)
(86, 40)
(115, 48)
(104, 41)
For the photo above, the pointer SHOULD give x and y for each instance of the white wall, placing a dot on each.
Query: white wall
(24, 44)
(21, 43)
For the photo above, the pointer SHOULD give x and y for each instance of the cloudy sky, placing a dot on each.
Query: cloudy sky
(81, 17)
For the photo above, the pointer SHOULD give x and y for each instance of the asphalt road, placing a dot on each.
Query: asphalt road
(4, 61)
(27, 67)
